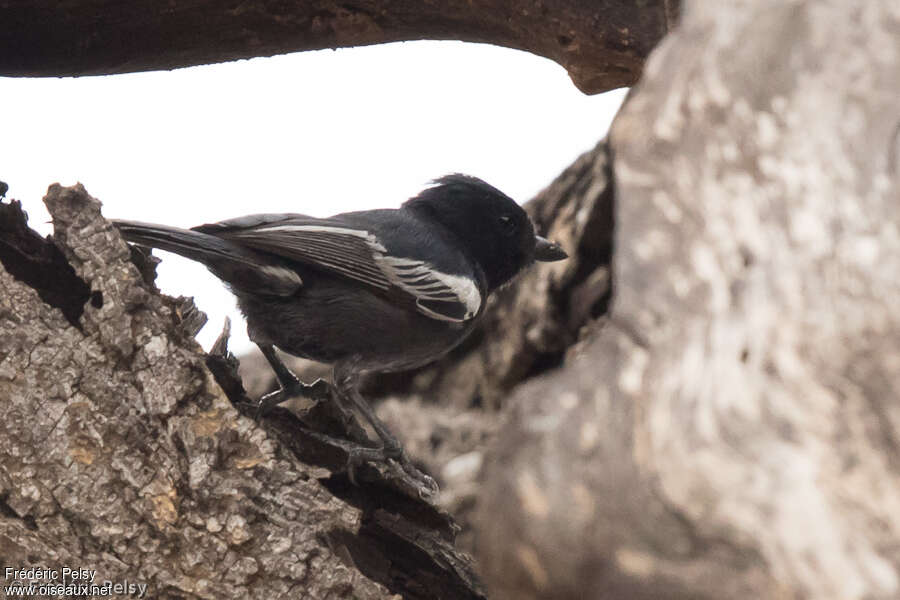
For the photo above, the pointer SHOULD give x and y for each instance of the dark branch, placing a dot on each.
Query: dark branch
(601, 43)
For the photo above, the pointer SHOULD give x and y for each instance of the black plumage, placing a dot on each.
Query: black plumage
(370, 291)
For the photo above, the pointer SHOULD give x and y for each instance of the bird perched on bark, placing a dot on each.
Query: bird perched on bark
(368, 291)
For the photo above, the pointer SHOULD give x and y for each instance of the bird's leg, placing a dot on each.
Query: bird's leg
(347, 384)
(291, 386)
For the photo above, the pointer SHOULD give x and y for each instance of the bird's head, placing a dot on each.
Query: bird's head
(493, 229)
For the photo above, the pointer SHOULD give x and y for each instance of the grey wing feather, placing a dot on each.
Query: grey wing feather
(326, 243)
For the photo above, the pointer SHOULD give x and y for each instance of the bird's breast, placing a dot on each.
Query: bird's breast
(330, 320)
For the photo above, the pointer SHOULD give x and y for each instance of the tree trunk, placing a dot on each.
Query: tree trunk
(730, 430)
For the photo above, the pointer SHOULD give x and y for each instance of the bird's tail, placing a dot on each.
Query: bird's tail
(202, 247)
(241, 267)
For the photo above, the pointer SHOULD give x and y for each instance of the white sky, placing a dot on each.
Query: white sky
(314, 132)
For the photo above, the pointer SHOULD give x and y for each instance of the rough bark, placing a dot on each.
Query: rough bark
(730, 431)
(602, 44)
(120, 453)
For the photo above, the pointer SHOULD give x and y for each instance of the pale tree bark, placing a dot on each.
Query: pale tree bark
(602, 44)
(731, 430)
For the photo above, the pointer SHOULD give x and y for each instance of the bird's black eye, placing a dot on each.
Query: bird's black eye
(507, 225)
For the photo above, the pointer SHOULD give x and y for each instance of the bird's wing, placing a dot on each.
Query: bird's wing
(347, 247)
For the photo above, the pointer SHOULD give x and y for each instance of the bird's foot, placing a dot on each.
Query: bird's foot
(394, 457)
(291, 387)
(317, 391)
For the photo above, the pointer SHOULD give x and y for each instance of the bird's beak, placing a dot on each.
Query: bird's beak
(547, 251)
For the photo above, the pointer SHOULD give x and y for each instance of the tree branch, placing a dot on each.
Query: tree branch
(601, 43)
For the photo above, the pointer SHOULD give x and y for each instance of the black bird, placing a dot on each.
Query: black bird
(369, 291)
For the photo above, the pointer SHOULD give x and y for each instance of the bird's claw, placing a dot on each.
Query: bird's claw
(429, 488)
(424, 485)
(395, 458)
(317, 390)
